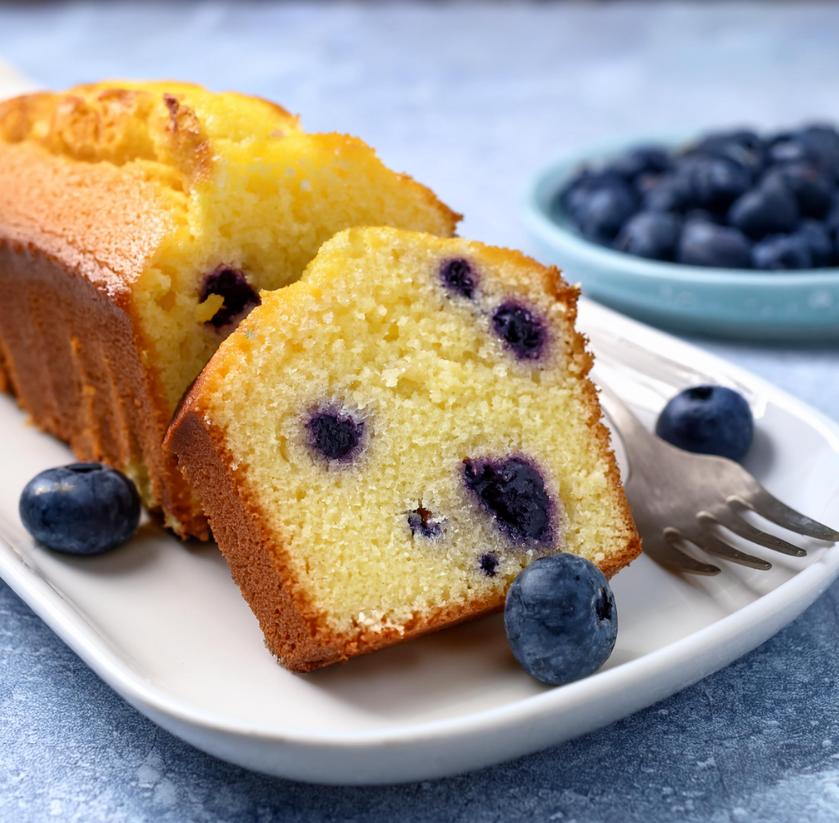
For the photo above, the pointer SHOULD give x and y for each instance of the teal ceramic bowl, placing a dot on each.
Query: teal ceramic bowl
(800, 305)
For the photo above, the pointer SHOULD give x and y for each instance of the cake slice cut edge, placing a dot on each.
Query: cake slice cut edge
(381, 447)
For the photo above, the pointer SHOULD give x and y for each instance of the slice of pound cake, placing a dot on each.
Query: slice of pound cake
(138, 222)
(384, 445)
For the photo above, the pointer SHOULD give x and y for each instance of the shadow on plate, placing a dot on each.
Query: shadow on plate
(475, 652)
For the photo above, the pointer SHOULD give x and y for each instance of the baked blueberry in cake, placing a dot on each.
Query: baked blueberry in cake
(384, 445)
(138, 224)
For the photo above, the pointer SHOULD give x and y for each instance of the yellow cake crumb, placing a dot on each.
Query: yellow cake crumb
(372, 332)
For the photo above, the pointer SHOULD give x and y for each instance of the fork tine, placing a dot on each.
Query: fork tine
(746, 530)
(673, 557)
(715, 546)
(759, 500)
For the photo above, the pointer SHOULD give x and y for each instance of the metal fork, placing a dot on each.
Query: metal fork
(681, 499)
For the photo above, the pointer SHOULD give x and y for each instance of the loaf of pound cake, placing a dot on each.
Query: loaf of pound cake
(138, 223)
(382, 446)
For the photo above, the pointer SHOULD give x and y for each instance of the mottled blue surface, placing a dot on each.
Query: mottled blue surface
(471, 99)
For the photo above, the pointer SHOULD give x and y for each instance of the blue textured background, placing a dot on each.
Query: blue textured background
(471, 99)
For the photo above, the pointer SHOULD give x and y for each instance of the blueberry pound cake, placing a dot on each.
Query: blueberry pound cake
(382, 446)
(138, 223)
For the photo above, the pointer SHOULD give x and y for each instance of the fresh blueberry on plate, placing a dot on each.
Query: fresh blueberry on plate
(83, 508)
(561, 618)
(708, 420)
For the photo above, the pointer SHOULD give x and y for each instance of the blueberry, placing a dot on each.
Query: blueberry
(513, 491)
(708, 420)
(335, 433)
(641, 160)
(488, 563)
(811, 190)
(232, 285)
(780, 252)
(817, 144)
(705, 244)
(459, 277)
(646, 182)
(588, 178)
(768, 209)
(520, 329)
(721, 140)
(831, 222)
(670, 193)
(584, 182)
(742, 147)
(650, 234)
(422, 522)
(561, 619)
(703, 216)
(821, 144)
(84, 508)
(819, 241)
(601, 212)
(787, 148)
(713, 183)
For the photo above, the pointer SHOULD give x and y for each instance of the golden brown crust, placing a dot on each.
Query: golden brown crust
(73, 238)
(295, 632)
(99, 223)
(112, 123)
(70, 353)
(257, 564)
(450, 217)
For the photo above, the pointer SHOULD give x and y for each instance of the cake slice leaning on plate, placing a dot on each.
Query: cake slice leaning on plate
(382, 446)
(138, 222)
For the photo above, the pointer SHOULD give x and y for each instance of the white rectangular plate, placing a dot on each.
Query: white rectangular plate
(164, 625)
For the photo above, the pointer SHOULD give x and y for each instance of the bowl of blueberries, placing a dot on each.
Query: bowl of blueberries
(732, 232)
